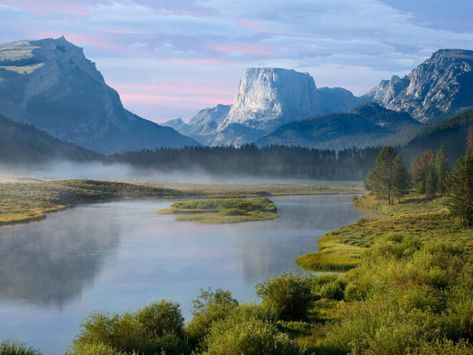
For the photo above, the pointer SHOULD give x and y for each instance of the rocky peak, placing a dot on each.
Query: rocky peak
(440, 85)
(270, 95)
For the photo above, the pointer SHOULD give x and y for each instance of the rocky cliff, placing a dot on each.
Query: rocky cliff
(439, 86)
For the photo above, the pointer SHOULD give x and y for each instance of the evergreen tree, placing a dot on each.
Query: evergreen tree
(431, 182)
(441, 169)
(460, 190)
(401, 178)
(469, 141)
(423, 172)
(380, 180)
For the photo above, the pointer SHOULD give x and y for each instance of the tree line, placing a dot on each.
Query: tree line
(249, 160)
(429, 174)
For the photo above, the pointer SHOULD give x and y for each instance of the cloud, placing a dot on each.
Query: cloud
(203, 43)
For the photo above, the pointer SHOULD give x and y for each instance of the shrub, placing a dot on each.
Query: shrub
(248, 338)
(211, 306)
(329, 286)
(154, 329)
(287, 295)
(9, 347)
(161, 318)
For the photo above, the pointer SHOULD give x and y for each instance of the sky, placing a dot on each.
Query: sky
(171, 58)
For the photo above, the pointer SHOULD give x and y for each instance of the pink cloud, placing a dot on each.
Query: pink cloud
(252, 49)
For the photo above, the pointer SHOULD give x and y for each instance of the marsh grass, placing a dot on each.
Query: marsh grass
(222, 211)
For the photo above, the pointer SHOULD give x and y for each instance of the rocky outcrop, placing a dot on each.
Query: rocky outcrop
(51, 85)
(439, 86)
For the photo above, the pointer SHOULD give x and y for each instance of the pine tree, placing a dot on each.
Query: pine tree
(469, 141)
(422, 173)
(430, 182)
(401, 178)
(441, 169)
(460, 190)
(380, 180)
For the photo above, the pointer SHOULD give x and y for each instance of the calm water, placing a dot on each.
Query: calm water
(122, 256)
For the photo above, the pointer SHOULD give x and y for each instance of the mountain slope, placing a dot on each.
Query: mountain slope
(51, 84)
(451, 133)
(22, 143)
(369, 125)
(441, 85)
(203, 126)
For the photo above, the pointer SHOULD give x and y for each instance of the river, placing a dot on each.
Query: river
(120, 256)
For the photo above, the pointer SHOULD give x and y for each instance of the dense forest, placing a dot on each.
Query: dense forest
(249, 160)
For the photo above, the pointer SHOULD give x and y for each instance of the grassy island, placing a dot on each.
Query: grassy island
(224, 210)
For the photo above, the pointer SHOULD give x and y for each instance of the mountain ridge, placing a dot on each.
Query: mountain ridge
(51, 85)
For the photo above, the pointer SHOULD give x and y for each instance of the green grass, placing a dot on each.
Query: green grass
(415, 217)
(222, 211)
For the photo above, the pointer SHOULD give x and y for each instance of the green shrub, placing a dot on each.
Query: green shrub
(9, 347)
(248, 338)
(211, 306)
(329, 286)
(287, 295)
(154, 329)
(161, 318)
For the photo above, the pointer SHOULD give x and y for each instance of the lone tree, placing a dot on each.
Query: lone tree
(401, 178)
(460, 185)
(441, 169)
(380, 181)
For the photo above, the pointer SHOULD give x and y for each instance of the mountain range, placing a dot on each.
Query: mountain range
(49, 85)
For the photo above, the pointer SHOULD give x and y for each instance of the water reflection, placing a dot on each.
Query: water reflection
(50, 263)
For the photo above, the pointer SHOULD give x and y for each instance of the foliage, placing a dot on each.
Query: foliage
(441, 169)
(249, 337)
(401, 178)
(210, 307)
(287, 295)
(9, 347)
(381, 180)
(154, 329)
(226, 210)
(424, 175)
(460, 190)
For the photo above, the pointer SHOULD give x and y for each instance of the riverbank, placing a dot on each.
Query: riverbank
(407, 285)
(422, 219)
(24, 200)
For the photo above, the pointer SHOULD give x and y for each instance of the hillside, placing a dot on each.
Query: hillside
(366, 126)
(23, 144)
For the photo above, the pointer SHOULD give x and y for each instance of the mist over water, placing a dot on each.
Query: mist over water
(120, 256)
(117, 171)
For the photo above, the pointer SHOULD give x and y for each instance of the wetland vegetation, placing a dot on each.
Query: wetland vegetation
(224, 210)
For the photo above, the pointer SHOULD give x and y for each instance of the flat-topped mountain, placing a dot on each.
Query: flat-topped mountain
(51, 85)
(270, 97)
(267, 99)
(439, 86)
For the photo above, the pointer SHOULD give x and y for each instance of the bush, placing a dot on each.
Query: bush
(9, 347)
(329, 286)
(248, 338)
(287, 295)
(154, 329)
(161, 318)
(211, 306)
